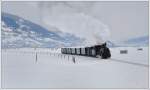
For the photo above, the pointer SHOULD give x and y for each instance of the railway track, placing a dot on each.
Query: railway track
(128, 62)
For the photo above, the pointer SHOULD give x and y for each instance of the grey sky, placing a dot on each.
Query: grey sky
(124, 19)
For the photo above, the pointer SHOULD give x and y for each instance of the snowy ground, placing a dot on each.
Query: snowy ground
(21, 68)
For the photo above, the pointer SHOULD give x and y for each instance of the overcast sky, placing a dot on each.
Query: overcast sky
(124, 19)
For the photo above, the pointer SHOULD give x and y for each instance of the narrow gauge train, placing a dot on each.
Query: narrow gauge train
(93, 51)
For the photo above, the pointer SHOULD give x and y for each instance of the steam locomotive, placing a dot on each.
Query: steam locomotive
(93, 51)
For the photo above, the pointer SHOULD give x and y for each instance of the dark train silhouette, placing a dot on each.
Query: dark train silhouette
(93, 51)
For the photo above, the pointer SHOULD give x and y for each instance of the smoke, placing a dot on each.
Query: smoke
(70, 18)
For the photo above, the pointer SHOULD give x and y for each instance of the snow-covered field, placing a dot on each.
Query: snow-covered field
(46, 68)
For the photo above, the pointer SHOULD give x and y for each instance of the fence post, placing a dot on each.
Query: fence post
(73, 59)
(68, 57)
(36, 57)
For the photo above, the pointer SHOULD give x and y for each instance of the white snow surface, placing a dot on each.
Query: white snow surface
(20, 69)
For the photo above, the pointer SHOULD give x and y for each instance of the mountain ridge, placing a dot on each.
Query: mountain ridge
(18, 32)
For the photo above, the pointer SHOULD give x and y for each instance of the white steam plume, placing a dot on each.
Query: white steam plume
(69, 20)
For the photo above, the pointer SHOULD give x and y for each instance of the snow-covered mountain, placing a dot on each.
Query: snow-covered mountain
(138, 41)
(18, 32)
